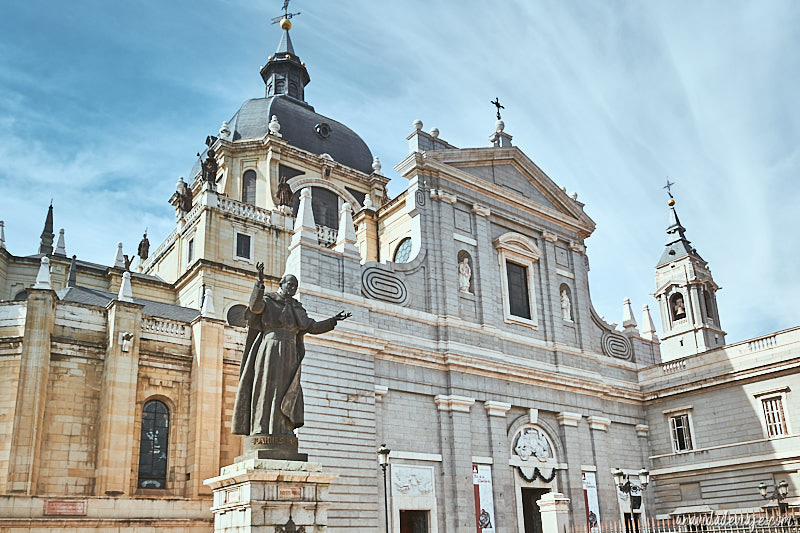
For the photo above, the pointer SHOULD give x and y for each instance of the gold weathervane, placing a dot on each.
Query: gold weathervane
(286, 24)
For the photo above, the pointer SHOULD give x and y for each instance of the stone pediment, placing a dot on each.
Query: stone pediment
(510, 174)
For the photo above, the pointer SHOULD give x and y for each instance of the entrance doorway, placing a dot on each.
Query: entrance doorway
(530, 511)
(413, 521)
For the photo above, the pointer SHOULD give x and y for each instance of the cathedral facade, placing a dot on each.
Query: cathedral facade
(473, 353)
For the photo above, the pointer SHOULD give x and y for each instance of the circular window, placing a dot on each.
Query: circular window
(403, 251)
(323, 130)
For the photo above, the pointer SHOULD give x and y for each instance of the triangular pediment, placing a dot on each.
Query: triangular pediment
(509, 169)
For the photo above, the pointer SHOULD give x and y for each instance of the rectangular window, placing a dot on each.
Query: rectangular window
(681, 433)
(190, 251)
(518, 290)
(773, 416)
(243, 245)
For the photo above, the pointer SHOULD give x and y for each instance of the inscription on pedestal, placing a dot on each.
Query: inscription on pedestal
(65, 507)
(289, 493)
(273, 439)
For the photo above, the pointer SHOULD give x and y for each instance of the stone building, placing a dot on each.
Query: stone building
(473, 352)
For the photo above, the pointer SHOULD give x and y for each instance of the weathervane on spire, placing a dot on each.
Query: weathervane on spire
(286, 15)
(668, 186)
(496, 103)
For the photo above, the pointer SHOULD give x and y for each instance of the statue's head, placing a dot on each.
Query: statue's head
(288, 285)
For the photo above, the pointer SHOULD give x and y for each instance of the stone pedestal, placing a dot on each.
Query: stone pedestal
(263, 495)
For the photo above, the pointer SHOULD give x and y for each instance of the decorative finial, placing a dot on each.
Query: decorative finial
(284, 19)
(418, 124)
(43, 277)
(499, 126)
(434, 132)
(125, 292)
(72, 278)
(119, 259)
(2, 236)
(225, 131)
(274, 126)
(207, 309)
(496, 103)
(60, 245)
(668, 186)
(376, 165)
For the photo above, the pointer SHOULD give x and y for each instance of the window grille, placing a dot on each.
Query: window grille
(773, 416)
(153, 446)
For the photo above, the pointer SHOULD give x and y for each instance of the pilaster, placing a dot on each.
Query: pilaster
(570, 437)
(485, 269)
(456, 432)
(34, 371)
(606, 492)
(550, 293)
(502, 474)
(205, 409)
(367, 234)
(116, 439)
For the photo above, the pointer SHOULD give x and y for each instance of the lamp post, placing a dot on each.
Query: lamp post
(779, 493)
(622, 480)
(383, 460)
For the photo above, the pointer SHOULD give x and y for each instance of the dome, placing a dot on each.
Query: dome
(303, 128)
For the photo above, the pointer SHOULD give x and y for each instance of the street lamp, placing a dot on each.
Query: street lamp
(779, 493)
(624, 484)
(383, 460)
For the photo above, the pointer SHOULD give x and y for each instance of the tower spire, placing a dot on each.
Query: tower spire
(46, 240)
(284, 73)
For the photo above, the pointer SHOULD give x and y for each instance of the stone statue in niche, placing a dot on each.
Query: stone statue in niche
(678, 308)
(210, 170)
(464, 275)
(126, 341)
(566, 305)
(531, 442)
(285, 195)
(269, 399)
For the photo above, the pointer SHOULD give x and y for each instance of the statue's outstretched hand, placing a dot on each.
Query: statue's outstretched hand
(260, 269)
(341, 315)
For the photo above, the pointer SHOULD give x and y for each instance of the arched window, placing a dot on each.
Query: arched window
(403, 251)
(249, 187)
(677, 306)
(154, 446)
(709, 306)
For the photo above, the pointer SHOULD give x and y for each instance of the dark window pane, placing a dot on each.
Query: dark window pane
(243, 245)
(190, 251)
(518, 290)
(153, 446)
(249, 187)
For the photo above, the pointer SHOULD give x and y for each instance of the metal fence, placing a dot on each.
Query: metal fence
(708, 522)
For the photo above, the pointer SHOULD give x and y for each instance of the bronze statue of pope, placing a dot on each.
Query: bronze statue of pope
(269, 399)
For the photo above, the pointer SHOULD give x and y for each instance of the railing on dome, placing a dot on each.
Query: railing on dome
(247, 211)
(732, 521)
(327, 236)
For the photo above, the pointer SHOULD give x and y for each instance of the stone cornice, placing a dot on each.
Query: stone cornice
(568, 419)
(459, 404)
(495, 408)
(642, 430)
(599, 423)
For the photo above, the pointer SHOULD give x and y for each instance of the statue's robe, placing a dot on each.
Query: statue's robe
(269, 399)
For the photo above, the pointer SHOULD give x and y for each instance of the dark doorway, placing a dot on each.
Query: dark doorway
(413, 521)
(530, 511)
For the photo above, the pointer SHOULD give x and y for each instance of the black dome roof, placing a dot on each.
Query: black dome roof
(299, 125)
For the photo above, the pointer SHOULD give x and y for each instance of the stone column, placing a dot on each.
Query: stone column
(367, 234)
(502, 474)
(554, 508)
(457, 461)
(570, 437)
(115, 436)
(606, 492)
(34, 370)
(205, 407)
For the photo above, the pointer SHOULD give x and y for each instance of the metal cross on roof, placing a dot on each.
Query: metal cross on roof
(286, 14)
(499, 107)
(668, 186)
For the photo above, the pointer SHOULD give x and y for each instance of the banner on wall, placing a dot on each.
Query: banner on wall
(590, 499)
(484, 500)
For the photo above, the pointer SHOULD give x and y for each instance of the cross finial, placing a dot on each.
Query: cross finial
(496, 103)
(668, 186)
(286, 15)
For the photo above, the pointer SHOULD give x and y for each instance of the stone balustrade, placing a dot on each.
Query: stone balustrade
(161, 327)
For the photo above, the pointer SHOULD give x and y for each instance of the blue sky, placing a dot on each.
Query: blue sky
(104, 104)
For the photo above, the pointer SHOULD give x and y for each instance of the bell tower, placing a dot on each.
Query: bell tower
(686, 294)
